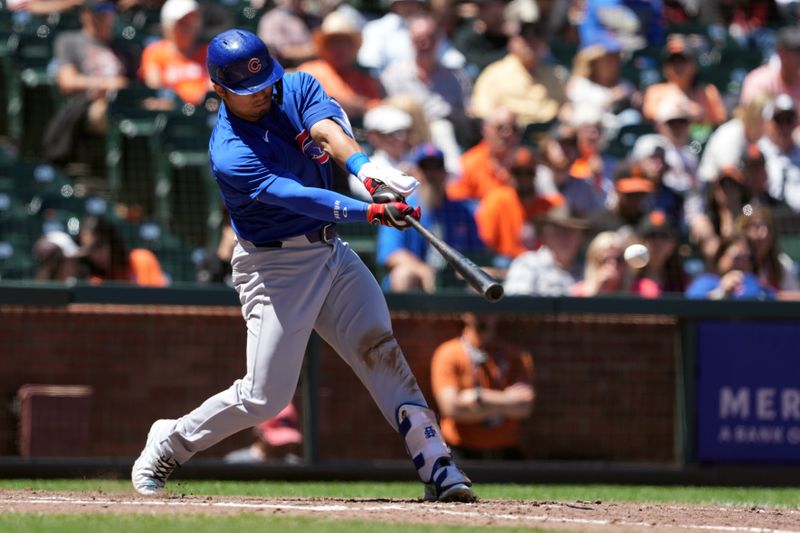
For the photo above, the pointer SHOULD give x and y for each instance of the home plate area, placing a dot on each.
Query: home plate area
(562, 516)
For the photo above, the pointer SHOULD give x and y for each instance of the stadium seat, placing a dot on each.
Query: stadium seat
(131, 147)
(187, 198)
(31, 99)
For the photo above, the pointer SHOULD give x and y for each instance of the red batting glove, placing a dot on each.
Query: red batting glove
(392, 214)
(382, 193)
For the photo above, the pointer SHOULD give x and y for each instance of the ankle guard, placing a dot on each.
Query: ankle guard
(423, 438)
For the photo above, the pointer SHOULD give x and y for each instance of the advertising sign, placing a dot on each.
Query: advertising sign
(748, 392)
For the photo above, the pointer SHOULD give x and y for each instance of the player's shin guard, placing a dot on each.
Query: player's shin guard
(444, 481)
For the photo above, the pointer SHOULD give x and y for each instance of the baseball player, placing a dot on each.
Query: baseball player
(271, 153)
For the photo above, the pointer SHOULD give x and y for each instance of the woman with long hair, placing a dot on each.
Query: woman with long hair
(606, 272)
(774, 268)
(730, 274)
(107, 258)
(665, 267)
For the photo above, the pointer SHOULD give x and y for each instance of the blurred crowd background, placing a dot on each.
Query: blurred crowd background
(548, 136)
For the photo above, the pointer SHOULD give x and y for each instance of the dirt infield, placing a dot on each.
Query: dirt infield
(593, 516)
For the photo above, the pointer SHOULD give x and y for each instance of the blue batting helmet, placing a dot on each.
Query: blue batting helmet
(239, 61)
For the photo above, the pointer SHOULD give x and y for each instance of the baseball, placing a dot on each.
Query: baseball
(637, 255)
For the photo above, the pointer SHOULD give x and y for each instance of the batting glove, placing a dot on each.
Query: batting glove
(392, 214)
(396, 180)
(382, 193)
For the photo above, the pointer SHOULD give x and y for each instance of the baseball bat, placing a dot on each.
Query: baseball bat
(486, 285)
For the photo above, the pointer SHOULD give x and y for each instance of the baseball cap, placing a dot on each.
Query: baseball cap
(174, 10)
(282, 429)
(99, 6)
(426, 151)
(386, 119)
(629, 181)
(239, 61)
(783, 103)
(561, 215)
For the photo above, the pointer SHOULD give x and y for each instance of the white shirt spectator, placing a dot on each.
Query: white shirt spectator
(536, 273)
(725, 147)
(783, 173)
(386, 40)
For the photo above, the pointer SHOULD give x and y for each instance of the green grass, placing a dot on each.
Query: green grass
(765, 497)
(214, 524)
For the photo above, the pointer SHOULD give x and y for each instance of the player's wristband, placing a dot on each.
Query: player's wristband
(355, 162)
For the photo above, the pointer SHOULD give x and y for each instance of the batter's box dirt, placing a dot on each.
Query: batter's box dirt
(564, 516)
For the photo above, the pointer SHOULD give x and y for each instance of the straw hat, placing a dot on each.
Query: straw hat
(336, 23)
(582, 62)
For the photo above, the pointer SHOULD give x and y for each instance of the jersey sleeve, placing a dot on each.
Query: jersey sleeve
(315, 105)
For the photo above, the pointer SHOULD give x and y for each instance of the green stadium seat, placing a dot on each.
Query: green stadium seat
(187, 196)
(131, 145)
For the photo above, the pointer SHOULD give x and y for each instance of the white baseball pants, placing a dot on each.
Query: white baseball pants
(285, 293)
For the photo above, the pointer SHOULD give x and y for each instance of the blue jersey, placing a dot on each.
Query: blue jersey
(249, 157)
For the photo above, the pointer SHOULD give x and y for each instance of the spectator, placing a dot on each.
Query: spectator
(107, 257)
(521, 81)
(606, 273)
(484, 388)
(389, 132)
(781, 74)
(487, 164)
(781, 152)
(442, 92)
(596, 81)
(680, 71)
(552, 269)
(337, 42)
(753, 168)
(634, 196)
(731, 275)
(277, 440)
(774, 268)
(506, 213)
(559, 151)
(725, 198)
(412, 263)
(672, 126)
(178, 61)
(665, 267)
(387, 40)
(591, 165)
(287, 30)
(88, 68)
(653, 166)
(57, 257)
(484, 39)
(728, 144)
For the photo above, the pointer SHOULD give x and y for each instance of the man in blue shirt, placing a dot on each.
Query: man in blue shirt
(413, 264)
(271, 152)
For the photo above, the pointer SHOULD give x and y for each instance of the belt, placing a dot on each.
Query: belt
(324, 234)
